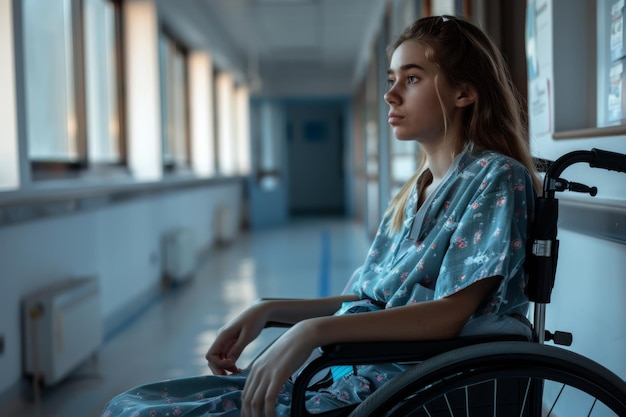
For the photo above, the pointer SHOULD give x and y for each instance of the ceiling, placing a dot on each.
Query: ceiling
(296, 48)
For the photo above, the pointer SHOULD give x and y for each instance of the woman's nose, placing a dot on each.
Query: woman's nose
(391, 97)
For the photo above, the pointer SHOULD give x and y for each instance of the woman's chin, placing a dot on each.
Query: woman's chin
(403, 137)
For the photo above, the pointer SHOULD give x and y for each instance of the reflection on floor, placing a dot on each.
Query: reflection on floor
(308, 258)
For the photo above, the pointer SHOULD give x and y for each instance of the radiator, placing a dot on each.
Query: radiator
(179, 256)
(227, 225)
(62, 328)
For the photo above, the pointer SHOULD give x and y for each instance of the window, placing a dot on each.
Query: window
(174, 104)
(72, 81)
(201, 123)
(242, 127)
(404, 154)
(226, 146)
(587, 52)
(105, 144)
(267, 119)
(451, 7)
(611, 51)
(51, 89)
(9, 159)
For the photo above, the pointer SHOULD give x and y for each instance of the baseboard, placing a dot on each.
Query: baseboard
(135, 308)
(131, 311)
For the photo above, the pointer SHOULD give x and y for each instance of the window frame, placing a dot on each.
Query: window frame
(49, 169)
(122, 144)
(594, 112)
(172, 167)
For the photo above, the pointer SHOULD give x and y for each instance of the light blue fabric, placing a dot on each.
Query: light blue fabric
(473, 226)
(496, 325)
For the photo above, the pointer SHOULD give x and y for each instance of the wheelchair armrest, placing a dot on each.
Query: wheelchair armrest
(405, 351)
(363, 353)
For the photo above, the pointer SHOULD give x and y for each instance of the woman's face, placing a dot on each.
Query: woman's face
(415, 111)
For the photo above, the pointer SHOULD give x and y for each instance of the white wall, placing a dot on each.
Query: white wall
(588, 298)
(120, 244)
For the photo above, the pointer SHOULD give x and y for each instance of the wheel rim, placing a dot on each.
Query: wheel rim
(523, 361)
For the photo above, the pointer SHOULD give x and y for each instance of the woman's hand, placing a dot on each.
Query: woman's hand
(273, 368)
(233, 337)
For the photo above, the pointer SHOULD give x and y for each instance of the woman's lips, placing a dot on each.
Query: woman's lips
(394, 118)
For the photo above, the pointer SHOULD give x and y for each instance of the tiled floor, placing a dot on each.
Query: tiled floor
(306, 259)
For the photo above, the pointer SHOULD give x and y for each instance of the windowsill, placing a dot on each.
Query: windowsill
(592, 132)
(62, 197)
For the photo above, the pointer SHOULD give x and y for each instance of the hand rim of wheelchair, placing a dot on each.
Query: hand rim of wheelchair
(463, 366)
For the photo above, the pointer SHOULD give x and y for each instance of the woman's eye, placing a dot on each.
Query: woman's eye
(390, 82)
(412, 79)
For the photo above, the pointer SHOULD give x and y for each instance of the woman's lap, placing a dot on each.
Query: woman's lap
(212, 396)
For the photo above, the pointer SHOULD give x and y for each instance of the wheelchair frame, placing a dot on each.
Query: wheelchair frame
(468, 359)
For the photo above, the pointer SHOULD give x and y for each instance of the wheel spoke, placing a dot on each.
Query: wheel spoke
(525, 401)
(556, 400)
(495, 397)
(449, 406)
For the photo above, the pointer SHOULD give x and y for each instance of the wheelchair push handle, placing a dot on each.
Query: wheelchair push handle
(612, 161)
(559, 338)
(560, 184)
(596, 158)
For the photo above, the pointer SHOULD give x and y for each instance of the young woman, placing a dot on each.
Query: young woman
(448, 256)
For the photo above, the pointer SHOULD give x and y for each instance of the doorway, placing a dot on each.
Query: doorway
(315, 158)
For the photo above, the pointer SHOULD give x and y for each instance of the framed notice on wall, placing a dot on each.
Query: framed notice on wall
(539, 61)
(615, 40)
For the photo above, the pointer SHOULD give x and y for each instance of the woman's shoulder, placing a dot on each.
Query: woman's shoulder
(489, 162)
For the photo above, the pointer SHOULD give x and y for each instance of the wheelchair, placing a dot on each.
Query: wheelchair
(503, 375)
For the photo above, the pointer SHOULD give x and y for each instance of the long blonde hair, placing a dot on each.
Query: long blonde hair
(495, 121)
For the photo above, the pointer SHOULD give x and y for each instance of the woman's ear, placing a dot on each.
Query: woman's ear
(466, 95)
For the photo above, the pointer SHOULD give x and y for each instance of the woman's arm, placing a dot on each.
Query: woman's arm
(290, 311)
(439, 319)
(235, 335)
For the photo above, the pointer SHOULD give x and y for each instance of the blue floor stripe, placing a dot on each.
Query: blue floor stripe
(324, 278)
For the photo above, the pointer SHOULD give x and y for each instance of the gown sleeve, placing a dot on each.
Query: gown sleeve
(490, 239)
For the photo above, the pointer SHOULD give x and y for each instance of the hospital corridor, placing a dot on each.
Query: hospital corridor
(166, 163)
(169, 335)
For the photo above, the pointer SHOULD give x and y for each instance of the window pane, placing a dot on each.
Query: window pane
(611, 60)
(268, 131)
(443, 7)
(242, 127)
(179, 109)
(174, 103)
(403, 162)
(9, 156)
(103, 122)
(49, 77)
(226, 146)
(201, 119)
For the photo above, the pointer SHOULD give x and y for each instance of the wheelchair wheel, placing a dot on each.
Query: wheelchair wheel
(499, 379)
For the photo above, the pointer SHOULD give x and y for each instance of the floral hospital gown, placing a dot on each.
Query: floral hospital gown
(473, 226)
